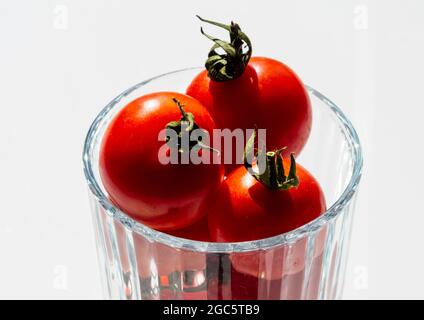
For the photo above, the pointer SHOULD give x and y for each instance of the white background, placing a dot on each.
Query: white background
(62, 61)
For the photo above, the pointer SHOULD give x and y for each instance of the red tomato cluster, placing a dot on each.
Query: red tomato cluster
(194, 201)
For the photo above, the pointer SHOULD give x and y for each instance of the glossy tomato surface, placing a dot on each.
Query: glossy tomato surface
(244, 209)
(268, 94)
(163, 196)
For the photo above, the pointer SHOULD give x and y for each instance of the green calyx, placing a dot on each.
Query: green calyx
(185, 125)
(229, 64)
(273, 176)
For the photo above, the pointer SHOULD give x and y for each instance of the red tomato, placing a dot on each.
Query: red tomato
(262, 92)
(245, 209)
(268, 94)
(164, 197)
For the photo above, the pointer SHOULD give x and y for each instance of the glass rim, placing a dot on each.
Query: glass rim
(224, 247)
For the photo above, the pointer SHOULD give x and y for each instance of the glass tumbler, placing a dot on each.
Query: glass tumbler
(137, 262)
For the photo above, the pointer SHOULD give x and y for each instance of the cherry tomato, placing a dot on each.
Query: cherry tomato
(268, 95)
(163, 196)
(253, 204)
(255, 91)
(244, 209)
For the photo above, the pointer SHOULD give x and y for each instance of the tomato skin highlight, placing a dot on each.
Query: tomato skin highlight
(244, 209)
(164, 197)
(268, 95)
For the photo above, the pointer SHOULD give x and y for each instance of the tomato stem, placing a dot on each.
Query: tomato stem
(273, 175)
(230, 64)
(181, 107)
(185, 124)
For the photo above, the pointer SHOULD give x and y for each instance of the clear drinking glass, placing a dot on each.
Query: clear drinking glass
(137, 262)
